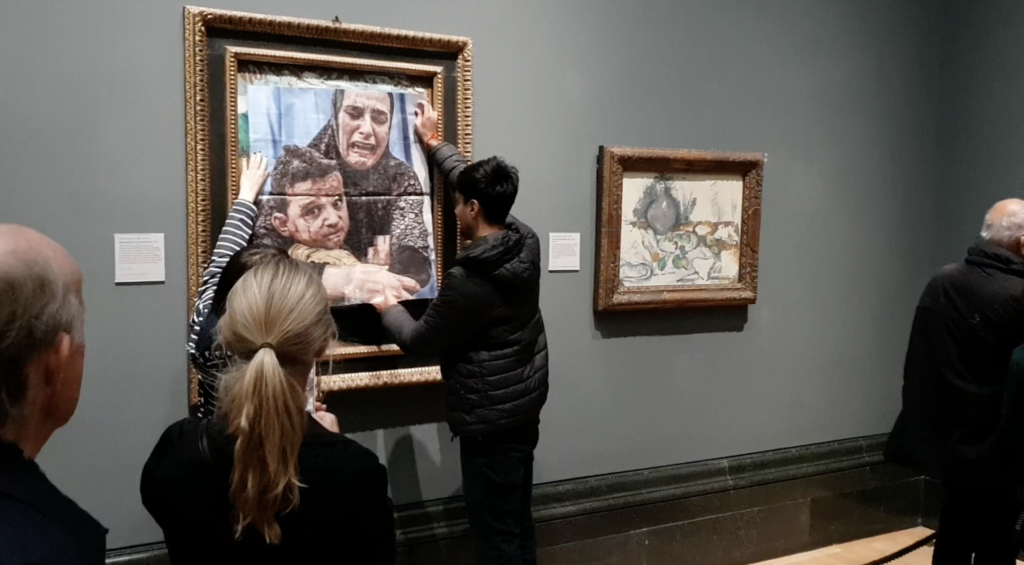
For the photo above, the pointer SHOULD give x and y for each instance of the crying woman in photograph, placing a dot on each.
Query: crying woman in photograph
(386, 196)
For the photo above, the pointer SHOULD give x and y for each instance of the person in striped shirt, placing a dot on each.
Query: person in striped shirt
(208, 360)
(233, 256)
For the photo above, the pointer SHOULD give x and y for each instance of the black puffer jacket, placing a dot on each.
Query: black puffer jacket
(486, 326)
(968, 322)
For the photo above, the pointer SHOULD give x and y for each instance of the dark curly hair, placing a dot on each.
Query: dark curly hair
(494, 184)
(295, 165)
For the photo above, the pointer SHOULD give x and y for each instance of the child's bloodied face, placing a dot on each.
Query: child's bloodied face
(317, 213)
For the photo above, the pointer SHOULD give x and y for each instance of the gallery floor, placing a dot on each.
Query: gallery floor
(865, 550)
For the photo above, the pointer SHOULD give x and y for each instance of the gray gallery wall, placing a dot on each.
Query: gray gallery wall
(982, 109)
(839, 94)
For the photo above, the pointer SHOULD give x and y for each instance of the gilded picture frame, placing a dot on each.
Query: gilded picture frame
(676, 228)
(216, 42)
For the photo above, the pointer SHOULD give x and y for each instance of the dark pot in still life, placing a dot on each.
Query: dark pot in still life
(663, 213)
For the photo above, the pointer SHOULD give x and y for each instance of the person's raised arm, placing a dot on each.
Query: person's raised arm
(445, 157)
(233, 238)
(451, 319)
(365, 283)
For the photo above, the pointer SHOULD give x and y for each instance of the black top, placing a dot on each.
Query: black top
(968, 322)
(1009, 441)
(344, 512)
(485, 325)
(38, 524)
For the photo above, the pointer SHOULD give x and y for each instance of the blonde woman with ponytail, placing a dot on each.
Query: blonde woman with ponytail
(263, 480)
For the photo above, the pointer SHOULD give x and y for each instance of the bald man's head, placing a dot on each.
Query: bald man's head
(41, 327)
(22, 247)
(1004, 225)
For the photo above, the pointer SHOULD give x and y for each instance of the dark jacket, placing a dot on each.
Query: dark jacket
(344, 513)
(968, 322)
(485, 325)
(1009, 443)
(38, 524)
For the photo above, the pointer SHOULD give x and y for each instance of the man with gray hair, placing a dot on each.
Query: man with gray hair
(968, 322)
(41, 358)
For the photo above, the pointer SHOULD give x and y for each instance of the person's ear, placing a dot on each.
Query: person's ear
(63, 348)
(56, 361)
(321, 350)
(1020, 246)
(474, 208)
(280, 222)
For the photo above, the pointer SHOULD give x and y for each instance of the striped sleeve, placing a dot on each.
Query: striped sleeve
(233, 238)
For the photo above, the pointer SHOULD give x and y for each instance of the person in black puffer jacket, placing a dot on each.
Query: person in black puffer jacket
(487, 328)
(958, 424)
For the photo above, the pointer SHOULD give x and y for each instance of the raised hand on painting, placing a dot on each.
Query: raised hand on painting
(426, 124)
(254, 174)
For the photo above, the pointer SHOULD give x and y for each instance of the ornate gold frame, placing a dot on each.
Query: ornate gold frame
(198, 23)
(613, 163)
(377, 379)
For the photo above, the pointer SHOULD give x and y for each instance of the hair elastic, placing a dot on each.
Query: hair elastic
(269, 346)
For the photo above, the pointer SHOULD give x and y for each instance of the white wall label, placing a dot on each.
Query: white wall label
(138, 257)
(563, 251)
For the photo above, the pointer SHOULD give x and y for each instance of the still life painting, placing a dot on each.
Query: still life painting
(682, 229)
(677, 228)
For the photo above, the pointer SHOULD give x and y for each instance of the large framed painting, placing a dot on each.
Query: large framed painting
(677, 228)
(332, 107)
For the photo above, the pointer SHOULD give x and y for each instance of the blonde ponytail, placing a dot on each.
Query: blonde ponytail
(277, 323)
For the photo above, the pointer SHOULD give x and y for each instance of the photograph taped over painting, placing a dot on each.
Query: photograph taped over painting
(349, 181)
(680, 230)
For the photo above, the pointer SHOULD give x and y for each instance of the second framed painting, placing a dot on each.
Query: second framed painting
(677, 228)
(332, 108)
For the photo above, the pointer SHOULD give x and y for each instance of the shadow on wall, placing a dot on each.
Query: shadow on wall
(380, 409)
(405, 472)
(683, 321)
(389, 416)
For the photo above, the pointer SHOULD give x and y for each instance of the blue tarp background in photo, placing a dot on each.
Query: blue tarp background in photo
(285, 116)
(280, 116)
